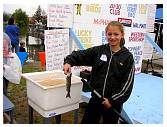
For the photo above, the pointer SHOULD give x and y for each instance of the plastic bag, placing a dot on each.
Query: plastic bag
(13, 69)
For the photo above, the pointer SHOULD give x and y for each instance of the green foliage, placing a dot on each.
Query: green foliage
(44, 21)
(6, 17)
(21, 19)
(38, 14)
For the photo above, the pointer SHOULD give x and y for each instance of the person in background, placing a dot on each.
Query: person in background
(6, 55)
(22, 47)
(112, 74)
(12, 31)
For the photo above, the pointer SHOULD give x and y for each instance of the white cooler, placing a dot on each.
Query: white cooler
(50, 100)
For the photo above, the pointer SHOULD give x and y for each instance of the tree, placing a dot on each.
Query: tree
(44, 18)
(43, 13)
(38, 14)
(22, 21)
(6, 16)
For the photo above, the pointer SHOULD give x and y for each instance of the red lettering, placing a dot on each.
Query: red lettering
(137, 69)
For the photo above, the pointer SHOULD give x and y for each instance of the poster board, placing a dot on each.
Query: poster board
(95, 17)
(56, 48)
(59, 15)
(89, 21)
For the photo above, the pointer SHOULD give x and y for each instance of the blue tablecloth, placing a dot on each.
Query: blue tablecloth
(145, 104)
(7, 104)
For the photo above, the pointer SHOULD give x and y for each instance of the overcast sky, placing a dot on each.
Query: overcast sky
(29, 9)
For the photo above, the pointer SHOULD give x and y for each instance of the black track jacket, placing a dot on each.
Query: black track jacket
(112, 73)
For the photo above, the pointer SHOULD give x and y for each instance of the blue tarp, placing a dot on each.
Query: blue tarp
(22, 56)
(159, 13)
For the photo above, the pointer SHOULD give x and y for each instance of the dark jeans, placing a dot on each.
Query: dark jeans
(95, 110)
(5, 86)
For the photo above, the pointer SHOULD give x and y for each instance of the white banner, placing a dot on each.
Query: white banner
(95, 17)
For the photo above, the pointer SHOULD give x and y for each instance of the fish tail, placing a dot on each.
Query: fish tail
(68, 95)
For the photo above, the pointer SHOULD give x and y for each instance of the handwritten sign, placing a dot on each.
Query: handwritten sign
(60, 15)
(134, 40)
(136, 37)
(151, 11)
(137, 52)
(34, 40)
(142, 8)
(131, 8)
(148, 48)
(56, 48)
(115, 9)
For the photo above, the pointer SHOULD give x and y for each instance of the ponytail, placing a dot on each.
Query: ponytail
(122, 42)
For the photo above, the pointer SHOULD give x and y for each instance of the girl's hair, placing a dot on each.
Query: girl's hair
(121, 28)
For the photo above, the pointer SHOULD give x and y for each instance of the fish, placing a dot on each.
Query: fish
(68, 84)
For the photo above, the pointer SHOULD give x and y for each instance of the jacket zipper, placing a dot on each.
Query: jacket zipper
(104, 86)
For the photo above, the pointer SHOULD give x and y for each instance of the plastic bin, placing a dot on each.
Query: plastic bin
(51, 99)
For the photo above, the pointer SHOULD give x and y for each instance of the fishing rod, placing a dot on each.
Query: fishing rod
(100, 97)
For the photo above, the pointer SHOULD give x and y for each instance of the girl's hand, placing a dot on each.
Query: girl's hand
(67, 68)
(106, 103)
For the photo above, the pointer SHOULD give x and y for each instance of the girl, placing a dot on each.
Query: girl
(112, 74)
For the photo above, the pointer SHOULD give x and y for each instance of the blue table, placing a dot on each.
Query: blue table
(145, 104)
(8, 107)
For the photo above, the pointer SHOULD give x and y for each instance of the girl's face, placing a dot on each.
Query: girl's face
(114, 35)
